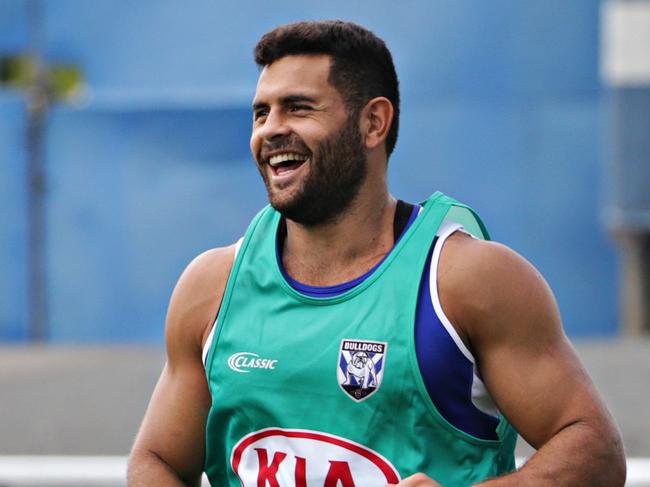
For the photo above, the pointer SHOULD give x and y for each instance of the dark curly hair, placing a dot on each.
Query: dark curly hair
(362, 67)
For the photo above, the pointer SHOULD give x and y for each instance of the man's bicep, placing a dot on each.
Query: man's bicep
(540, 392)
(173, 428)
(528, 364)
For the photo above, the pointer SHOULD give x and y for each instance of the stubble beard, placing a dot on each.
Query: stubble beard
(338, 169)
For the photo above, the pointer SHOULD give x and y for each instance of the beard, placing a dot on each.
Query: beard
(338, 169)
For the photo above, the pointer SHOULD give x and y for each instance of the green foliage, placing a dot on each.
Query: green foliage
(17, 71)
(60, 81)
(65, 80)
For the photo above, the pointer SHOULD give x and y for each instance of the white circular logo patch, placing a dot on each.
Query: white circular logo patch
(304, 458)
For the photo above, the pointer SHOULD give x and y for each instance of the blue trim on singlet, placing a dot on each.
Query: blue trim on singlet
(331, 291)
(446, 372)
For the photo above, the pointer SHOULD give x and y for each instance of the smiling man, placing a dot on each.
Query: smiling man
(361, 340)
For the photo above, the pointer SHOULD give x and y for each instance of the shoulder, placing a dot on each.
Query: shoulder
(490, 291)
(204, 273)
(197, 297)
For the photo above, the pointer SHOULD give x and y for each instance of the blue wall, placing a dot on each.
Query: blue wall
(502, 108)
(135, 195)
(13, 226)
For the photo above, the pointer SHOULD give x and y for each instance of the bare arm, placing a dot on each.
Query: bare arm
(506, 313)
(169, 449)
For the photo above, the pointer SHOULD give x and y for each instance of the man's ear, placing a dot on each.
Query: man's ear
(376, 119)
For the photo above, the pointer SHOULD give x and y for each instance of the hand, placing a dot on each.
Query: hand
(417, 480)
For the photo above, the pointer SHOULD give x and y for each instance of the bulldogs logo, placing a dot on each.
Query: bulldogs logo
(360, 367)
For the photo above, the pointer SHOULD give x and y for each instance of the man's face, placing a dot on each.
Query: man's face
(308, 149)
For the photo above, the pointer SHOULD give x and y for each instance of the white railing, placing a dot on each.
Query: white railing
(110, 471)
(64, 471)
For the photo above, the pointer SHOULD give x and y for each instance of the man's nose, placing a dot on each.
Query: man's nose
(275, 125)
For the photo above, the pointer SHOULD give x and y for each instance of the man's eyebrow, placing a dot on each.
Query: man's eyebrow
(286, 100)
(297, 98)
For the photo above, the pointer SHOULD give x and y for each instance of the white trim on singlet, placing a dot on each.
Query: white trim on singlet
(447, 227)
(208, 342)
(480, 396)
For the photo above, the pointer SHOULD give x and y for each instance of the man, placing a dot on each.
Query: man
(459, 343)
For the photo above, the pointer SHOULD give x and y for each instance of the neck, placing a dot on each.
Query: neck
(338, 251)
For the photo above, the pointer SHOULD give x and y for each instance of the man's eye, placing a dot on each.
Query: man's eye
(257, 114)
(299, 108)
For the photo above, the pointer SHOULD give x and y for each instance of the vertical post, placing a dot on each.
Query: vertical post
(635, 291)
(37, 106)
(625, 65)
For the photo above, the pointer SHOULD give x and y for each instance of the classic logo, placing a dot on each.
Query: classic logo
(242, 361)
(360, 368)
(278, 457)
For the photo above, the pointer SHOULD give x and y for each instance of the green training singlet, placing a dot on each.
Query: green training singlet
(327, 392)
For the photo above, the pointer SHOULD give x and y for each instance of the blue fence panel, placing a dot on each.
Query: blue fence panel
(501, 108)
(13, 26)
(134, 196)
(533, 173)
(13, 218)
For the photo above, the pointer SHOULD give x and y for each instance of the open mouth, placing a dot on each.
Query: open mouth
(285, 163)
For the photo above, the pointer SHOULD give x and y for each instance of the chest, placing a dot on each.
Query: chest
(284, 348)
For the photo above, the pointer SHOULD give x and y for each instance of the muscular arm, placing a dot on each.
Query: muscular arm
(169, 449)
(506, 314)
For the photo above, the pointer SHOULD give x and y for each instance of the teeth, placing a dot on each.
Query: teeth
(280, 158)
